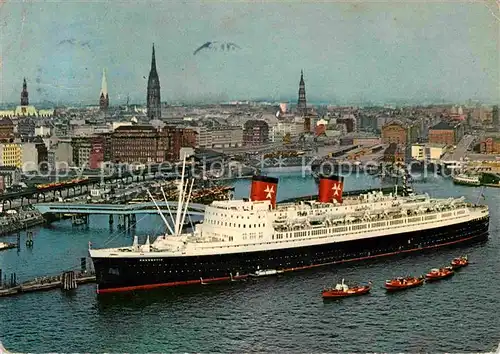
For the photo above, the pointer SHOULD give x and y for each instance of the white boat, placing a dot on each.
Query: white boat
(266, 272)
(467, 179)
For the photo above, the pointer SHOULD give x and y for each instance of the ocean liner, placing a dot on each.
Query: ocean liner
(257, 236)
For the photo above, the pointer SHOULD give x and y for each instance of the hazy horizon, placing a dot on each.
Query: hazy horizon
(381, 52)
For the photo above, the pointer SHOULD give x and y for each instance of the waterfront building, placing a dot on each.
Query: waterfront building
(137, 144)
(224, 137)
(394, 132)
(401, 132)
(255, 132)
(446, 133)
(176, 138)
(427, 152)
(10, 155)
(153, 94)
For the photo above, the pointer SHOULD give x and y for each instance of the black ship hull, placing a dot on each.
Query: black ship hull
(126, 274)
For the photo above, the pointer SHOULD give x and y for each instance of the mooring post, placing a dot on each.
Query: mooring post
(29, 239)
(83, 264)
(68, 280)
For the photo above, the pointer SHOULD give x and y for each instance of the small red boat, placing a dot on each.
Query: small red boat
(438, 274)
(459, 262)
(403, 283)
(342, 290)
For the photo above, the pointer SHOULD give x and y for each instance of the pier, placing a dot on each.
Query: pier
(66, 281)
(20, 221)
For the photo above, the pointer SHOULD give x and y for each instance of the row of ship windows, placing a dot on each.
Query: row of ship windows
(463, 231)
(336, 252)
(230, 224)
(231, 215)
(291, 235)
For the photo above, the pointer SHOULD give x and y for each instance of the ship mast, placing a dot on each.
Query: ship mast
(180, 187)
(161, 214)
(182, 190)
(187, 201)
(166, 203)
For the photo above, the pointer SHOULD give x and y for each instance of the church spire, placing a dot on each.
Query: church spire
(104, 84)
(153, 60)
(103, 97)
(302, 103)
(24, 94)
(153, 93)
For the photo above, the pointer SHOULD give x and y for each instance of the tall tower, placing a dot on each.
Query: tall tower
(153, 98)
(24, 94)
(103, 97)
(301, 103)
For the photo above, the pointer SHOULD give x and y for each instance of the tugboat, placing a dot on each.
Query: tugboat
(438, 274)
(459, 262)
(403, 283)
(342, 290)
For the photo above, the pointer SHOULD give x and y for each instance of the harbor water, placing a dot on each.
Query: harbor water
(275, 314)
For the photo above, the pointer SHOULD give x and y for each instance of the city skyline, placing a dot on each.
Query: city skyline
(209, 53)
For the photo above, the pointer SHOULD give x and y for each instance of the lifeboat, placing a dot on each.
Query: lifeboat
(403, 283)
(459, 262)
(438, 274)
(342, 290)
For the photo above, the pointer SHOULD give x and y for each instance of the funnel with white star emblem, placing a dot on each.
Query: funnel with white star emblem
(330, 188)
(264, 188)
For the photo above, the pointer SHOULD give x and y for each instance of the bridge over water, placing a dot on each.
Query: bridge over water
(115, 209)
(150, 208)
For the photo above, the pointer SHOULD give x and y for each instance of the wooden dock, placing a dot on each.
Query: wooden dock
(65, 281)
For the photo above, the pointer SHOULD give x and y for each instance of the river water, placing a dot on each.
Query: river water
(282, 314)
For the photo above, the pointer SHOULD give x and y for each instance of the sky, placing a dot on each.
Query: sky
(350, 51)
